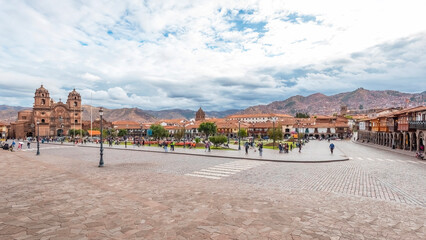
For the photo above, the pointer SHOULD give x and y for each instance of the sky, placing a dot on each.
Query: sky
(218, 55)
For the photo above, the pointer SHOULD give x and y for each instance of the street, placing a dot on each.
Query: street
(374, 195)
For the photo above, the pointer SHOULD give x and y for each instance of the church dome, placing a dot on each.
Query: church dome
(74, 94)
(41, 90)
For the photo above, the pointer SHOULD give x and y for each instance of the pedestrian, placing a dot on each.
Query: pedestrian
(28, 144)
(300, 148)
(331, 148)
(246, 146)
(208, 145)
(260, 145)
(13, 144)
(280, 147)
(165, 146)
(291, 147)
(172, 146)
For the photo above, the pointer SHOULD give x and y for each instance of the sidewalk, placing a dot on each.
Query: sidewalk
(400, 151)
(312, 152)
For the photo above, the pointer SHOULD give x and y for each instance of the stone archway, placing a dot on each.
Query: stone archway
(386, 140)
(407, 141)
(421, 140)
(414, 142)
(59, 132)
(400, 141)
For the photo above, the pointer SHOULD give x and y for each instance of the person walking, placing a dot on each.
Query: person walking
(260, 145)
(28, 144)
(280, 147)
(246, 146)
(172, 146)
(331, 148)
(165, 146)
(300, 148)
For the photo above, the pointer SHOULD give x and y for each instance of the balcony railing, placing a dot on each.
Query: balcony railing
(417, 125)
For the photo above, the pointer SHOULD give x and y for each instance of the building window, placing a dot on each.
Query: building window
(75, 104)
(42, 113)
(43, 101)
(43, 121)
(76, 121)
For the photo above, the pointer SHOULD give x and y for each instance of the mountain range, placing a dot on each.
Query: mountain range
(318, 103)
(356, 101)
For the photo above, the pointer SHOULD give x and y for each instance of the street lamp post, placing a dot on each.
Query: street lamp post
(273, 133)
(140, 138)
(239, 134)
(184, 136)
(38, 138)
(101, 161)
(298, 131)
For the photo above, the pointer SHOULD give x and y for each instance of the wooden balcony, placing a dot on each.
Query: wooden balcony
(417, 125)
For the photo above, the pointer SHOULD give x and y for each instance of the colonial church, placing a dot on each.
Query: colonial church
(48, 118)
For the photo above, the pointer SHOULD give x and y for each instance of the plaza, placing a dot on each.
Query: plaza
(368, 194)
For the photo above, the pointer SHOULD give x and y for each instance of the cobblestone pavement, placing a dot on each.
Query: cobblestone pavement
(62, 194)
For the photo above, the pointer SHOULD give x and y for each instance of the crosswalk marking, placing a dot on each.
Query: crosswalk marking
(389, 160)
(212, 174)
(203, 176)
(225, 169)
(44, 148)
(217, 171)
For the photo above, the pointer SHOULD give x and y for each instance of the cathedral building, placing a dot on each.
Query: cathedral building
(48, 118)
(200, 115)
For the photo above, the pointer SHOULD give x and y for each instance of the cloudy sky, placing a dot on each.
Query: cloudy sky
(215, 54)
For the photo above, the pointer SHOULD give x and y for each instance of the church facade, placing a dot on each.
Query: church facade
(48, 118)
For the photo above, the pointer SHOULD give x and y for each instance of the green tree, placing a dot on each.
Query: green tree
(208, 128)
(122, 132)
(218, 140)
(179, 134)
(158, 131)
(105, 133)
(302, 115)
(77, 132)
(275, 134)
(242, 133)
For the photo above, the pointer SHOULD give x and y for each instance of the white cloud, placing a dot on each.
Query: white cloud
(217, 54)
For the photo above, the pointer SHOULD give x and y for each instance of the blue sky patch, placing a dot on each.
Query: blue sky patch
(297, 19)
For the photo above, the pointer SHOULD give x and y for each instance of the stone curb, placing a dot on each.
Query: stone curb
(215, 156)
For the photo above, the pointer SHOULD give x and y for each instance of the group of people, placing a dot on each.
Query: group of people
(284, 147)
(12, 146)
